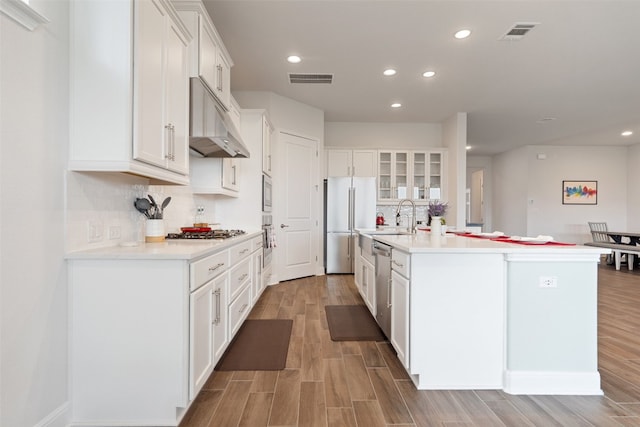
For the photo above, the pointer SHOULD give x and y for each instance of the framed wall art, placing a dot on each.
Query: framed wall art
(579, 192)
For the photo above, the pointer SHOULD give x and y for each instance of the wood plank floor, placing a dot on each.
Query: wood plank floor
(331, 384)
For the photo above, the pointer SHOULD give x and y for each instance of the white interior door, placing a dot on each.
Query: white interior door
(296, 206)
(477, 197)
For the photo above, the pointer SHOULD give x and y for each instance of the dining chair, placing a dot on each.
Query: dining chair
(597, 232)
(598, 235)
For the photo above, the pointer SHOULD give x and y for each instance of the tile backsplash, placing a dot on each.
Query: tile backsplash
(100, 209)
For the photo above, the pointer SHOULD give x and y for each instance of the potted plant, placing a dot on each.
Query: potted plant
(437, 209)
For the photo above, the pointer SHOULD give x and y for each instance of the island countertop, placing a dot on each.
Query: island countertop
(424, 242)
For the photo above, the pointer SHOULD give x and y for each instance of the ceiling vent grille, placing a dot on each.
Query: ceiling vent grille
(311, 78)
(518, 31)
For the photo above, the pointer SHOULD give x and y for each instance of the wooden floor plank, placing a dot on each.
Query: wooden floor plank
(393, 407)
(360, 387)
(256, 411)
(229, 411)
(335, 384)
(284, 410)
(368, 413)
(341, 417)
(313, 409)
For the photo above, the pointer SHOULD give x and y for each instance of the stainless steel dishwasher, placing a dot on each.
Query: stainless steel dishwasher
(382, 253)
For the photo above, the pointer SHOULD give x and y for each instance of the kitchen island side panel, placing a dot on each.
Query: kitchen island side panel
(129, 341)
(553, 325)
(457, 320)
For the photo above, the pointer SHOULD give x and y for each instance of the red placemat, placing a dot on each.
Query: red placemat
(523, 242)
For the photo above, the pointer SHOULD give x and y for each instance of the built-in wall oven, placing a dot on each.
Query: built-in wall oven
(266, 193)
(268, 241)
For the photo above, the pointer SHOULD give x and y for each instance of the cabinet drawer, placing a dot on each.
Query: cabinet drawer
(256, 243)
(239, 275)
(207, 268)
(400, 262)
(239, 310)
(239, 251)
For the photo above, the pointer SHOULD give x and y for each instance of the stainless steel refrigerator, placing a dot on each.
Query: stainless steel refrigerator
(350, 203)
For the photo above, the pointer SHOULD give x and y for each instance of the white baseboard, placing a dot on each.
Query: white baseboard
(561, 383)
(58, 418)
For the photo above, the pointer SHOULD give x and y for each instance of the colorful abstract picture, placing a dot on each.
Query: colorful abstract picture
(579, 192)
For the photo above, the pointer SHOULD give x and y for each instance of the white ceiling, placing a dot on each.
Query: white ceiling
(580, 65)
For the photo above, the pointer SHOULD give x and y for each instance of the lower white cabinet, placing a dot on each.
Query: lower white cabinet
(220, 319)
(257, 281)
(147, 333)
(400, 286)
(400, 317)
(368, 284)
(201, 317)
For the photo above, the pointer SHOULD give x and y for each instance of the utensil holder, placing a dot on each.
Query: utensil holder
(154, 231)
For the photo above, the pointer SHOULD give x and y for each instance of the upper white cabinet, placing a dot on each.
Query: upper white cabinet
(215, 176)
(129, 90)
(362, 163)
(209, 58)
(416, 175)
(267, 129)
(257, 127)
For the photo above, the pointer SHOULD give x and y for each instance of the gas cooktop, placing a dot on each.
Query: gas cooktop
(206, 235)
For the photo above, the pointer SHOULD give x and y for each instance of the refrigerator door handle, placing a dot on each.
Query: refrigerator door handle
(349, 216)
(352, 208)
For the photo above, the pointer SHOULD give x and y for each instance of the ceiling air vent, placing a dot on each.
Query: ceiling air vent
(311, 78)
(518, 31)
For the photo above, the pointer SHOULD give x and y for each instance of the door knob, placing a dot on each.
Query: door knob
(283, 226)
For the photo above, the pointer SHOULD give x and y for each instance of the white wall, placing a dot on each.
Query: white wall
(33, 281)
(528, 191)
(397, 136)
(510, 187)
(484, 163)
(633, 179)
(454, 137)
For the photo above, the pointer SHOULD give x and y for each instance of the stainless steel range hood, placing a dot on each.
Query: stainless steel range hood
(211, 131)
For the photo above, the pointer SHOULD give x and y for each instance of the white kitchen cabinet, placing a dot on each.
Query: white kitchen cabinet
(201, 307)
(369, 285)
(360, 163)
(255, 126)
(416, 175)
(427, 181)
(257, 281)
(400, 285)
(220, 321)
(267, 130)
(223, 82)
(130, 90)
(400, 316)
(210, 59)
(215, 176)
(147, 329)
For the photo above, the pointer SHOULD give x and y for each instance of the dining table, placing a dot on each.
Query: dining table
(624, 237)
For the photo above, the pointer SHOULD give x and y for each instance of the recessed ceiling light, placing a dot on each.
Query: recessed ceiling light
(546, 119)
(468, 147)
(627, 133)
(389, 72)
(462, 34)
(428, 74)
(396, 105)
(294, 59)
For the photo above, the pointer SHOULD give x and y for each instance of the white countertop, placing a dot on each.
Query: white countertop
(424, 242)
(174, 249)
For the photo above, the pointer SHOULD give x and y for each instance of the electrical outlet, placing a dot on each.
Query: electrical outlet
(94, 231)
(114, 232)
(548, 282)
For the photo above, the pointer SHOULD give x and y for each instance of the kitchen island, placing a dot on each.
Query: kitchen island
(474, 313)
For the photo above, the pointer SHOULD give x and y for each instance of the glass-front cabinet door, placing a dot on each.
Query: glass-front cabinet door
(436, 190)
(393, 175)
(416, 175)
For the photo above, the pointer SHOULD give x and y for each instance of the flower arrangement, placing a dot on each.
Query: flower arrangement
(437, 208)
